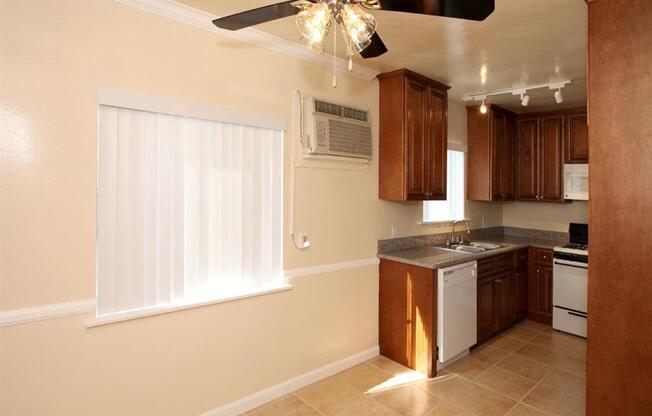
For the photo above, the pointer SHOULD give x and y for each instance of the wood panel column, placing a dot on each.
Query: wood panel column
(620, 208)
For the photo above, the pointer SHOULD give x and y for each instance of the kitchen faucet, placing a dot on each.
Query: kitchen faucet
(451, 240)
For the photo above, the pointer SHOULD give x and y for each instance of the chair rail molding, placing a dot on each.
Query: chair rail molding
(204, 20)
(43, 312)
(80, 307)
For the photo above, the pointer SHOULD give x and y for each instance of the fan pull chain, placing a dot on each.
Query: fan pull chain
(334, 58)
(350, 58)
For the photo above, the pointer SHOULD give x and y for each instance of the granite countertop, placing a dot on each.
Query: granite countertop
(434, 257)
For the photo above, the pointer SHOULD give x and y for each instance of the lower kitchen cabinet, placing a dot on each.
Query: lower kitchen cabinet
(521, 292)
(407, 331)
(540, 286)
(502, 292)
(486, 306)
(506, 299)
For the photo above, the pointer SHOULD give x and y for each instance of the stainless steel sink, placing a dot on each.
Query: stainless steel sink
(472, 248)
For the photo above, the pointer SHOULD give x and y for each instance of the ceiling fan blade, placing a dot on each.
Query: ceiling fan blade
(376, 47)
(460, 9)
(256, 16)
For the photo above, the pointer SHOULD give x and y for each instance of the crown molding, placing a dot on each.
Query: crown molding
(203, 20)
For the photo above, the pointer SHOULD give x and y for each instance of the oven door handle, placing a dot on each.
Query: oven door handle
(571, 265)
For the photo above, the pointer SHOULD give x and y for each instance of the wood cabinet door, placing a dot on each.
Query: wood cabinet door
(545, 291)
(505, 289)
(551, 162)
(528, 160)
(540, 292)
(521, 292)
(486, 309)
(497, 154)
(576, 139)
(438, 144)
(416, 98)
(508, 176)
(407, 327)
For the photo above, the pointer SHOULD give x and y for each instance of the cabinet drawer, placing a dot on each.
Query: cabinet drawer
(486, 267)
(505, 262)
(522, 259)
(544, 257)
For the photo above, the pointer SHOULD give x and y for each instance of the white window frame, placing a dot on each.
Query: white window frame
(451, 178)
(157, 104)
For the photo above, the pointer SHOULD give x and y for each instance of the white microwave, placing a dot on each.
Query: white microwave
(576, 182)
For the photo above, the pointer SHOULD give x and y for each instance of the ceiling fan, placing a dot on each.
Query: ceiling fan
(315, 18)
(358, 27)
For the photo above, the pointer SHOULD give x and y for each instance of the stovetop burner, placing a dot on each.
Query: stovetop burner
(576, 246)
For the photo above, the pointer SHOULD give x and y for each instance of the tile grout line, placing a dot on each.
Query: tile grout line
(308, 404)
(510, 353)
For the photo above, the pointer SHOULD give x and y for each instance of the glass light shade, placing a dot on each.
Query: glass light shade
(313, 23)
(358, 26)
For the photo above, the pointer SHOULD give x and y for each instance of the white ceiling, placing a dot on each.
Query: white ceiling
(524, 42)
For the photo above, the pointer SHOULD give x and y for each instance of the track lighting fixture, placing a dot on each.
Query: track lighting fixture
(483, 107)
(558, 97)
(525, 98)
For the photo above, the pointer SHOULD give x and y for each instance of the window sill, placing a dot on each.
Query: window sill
(441, 222)
(159, 310)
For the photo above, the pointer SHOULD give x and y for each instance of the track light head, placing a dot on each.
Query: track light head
(483, 107)
(558, 97)
(525, 100)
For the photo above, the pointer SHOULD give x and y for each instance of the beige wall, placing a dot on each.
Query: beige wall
(545, 216)
(54, 57)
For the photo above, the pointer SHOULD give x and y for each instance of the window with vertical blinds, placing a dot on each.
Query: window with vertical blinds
(453, 207)
(188, 210)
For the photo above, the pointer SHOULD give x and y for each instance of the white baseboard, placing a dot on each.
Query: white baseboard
(274, 392)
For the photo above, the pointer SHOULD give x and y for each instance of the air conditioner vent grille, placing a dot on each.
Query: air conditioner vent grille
(354, 114)
(349, 138)
(328, 108)
(341, 111)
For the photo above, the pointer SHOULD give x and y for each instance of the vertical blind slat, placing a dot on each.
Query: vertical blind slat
(187, 209)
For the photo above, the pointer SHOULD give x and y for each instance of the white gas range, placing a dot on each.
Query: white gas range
(570, 282)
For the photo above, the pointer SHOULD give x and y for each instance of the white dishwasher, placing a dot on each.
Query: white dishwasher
(457, 290)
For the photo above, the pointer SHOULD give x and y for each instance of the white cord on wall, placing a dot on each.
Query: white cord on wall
(300, 239)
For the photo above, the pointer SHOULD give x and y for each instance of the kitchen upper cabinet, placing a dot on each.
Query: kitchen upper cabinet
(576, 141)
(551, 162)
(545, 142)
(528, 159)
(491, 154)
(540, 159)
(413, 137)
(438, 141)
(416, 113)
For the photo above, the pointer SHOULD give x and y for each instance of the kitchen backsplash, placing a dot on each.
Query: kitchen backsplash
(404, 243)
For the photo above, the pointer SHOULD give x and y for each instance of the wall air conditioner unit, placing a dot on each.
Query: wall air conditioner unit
(336, 130)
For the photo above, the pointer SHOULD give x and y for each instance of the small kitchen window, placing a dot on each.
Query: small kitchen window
(453, 207)
(189, 211)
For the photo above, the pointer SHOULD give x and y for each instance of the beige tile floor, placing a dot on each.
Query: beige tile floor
(530, 370)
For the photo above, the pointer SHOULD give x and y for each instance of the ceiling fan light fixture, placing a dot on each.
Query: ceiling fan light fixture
(313, 22)
(357, 25)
